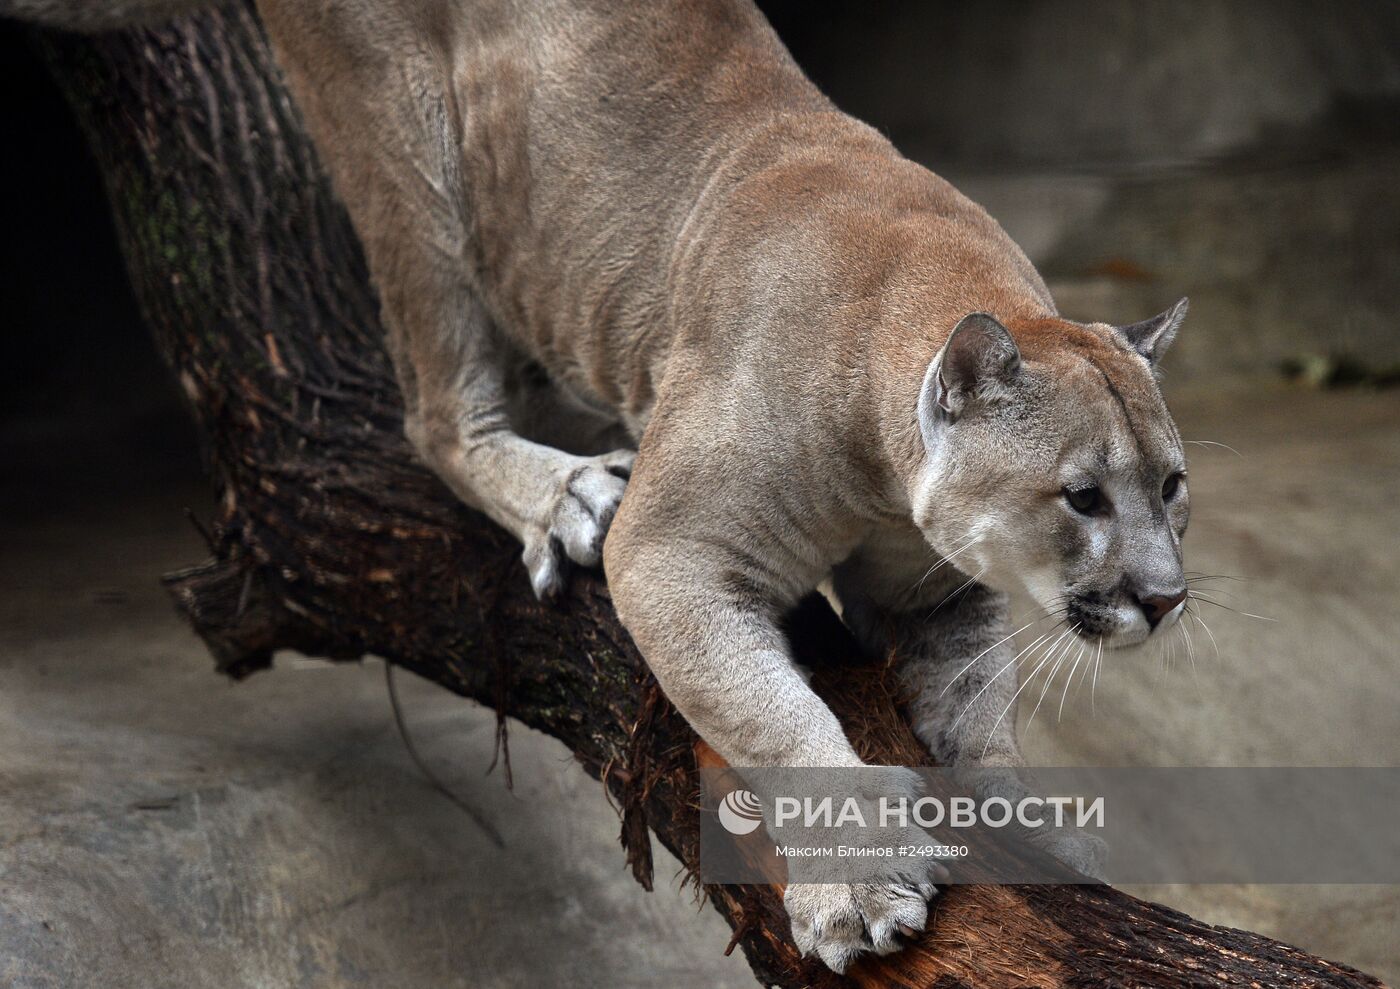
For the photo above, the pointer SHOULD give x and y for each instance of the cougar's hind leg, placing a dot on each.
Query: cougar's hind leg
(379, 104)
(558, 504)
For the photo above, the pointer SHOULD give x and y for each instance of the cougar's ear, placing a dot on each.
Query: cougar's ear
(979, 362)
(1152, 337)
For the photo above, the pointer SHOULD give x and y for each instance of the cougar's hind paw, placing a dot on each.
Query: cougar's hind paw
(582, 503)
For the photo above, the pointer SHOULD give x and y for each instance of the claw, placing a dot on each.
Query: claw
(545, 564)
(837, 956)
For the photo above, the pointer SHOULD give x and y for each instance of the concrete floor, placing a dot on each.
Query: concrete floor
(160, 826)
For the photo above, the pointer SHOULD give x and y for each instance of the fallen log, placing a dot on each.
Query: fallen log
(331, 539)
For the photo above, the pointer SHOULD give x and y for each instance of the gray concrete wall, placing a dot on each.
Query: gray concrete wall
(1245, 154)
(1095, 82)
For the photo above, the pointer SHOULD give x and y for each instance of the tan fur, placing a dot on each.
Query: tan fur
(650, 202)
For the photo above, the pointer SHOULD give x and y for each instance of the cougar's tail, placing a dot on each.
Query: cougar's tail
(95, 15)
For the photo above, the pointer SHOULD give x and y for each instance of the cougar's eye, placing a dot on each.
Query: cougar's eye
(1085, 501)
(1171, 486)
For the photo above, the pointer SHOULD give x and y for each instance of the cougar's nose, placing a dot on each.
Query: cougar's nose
(1158, 606)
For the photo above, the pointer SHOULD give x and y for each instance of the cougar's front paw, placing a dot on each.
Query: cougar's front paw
(1085, 853)
(579, 506)
(839, 921)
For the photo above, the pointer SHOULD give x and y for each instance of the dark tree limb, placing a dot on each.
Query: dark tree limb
(330, 538)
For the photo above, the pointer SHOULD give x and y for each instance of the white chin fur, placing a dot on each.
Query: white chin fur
(1133, 628)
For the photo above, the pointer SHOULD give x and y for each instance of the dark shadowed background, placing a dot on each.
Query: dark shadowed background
(160, 827)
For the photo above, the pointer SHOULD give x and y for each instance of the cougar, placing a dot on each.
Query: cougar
(776, 351)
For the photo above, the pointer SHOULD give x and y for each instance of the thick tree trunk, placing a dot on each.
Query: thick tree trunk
(333, 540)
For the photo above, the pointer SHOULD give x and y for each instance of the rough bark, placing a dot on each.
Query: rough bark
(331, 539)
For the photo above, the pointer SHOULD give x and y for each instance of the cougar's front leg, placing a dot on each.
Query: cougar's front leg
(709, 632)
(959, 673)
(955, 665)
(705, 619)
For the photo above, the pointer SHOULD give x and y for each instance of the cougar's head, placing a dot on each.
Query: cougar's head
(1053, 464)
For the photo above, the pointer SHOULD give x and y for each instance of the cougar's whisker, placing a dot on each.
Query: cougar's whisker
(1213, 443)
(958, 676)
(997, 676)
(960, 589)
(1044, 658)
(1190, 654)
(1201, 621)
(1069, 678)
(1209, 594)
(1226, 607)
(1098, 658)
(946, 559)
(1054, 668)
(1088, 667)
